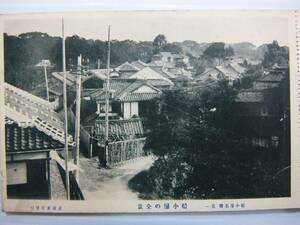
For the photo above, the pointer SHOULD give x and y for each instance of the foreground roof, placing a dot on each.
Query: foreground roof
(28, 110)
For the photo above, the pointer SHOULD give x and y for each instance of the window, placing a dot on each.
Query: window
(264, 111)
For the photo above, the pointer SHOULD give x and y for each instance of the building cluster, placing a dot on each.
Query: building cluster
(35, 131)
(263, 109)
(231, 71)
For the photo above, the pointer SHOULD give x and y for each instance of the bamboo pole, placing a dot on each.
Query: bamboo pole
(65, 110)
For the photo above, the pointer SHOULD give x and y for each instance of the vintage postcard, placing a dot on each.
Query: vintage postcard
(150, 111)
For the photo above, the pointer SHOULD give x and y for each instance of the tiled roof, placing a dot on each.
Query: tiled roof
(161, 64)
(127, 67)
(149, 74)
(139, 64)
(71, 77)
(181, 73)
(101, 73)
(119, 129)
(237, 67)
(228, 72)
(28, 110)
(177, 56)
(249, 96)
(271, 77)
(209, 73)
(123, 91)
(163, 72)
(134, 97)
(159, 83)
(166, 54)
(126, 75)
(22, 139)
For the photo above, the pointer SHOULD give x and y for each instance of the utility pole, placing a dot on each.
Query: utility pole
(98, 64)
(45, 63)
(65, 109)
(107, 93)
(46, 80)
(77, 118)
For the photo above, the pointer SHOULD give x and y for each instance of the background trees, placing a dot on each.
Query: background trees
(24, 51)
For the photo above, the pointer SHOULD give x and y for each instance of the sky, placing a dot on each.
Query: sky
(257, 28)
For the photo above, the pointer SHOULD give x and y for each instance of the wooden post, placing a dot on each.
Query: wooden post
(77, 118)
(65, 110)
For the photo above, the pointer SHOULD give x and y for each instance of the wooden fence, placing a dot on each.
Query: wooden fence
(120, 151)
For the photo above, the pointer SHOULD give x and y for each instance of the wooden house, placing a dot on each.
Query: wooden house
(126, 98)
(33, 130)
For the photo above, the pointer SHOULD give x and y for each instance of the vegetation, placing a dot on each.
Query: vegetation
(275, 55)
(213, 55)
(200, 152)
(23, 52)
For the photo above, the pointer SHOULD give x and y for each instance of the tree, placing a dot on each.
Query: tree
(275, 55)
(218, 50)
(159, 42)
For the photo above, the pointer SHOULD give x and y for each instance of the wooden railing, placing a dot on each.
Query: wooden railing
(75, 192)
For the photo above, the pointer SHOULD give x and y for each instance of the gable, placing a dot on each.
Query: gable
(148, 74)
(144, 89)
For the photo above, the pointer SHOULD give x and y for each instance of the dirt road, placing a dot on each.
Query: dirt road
(110, 183)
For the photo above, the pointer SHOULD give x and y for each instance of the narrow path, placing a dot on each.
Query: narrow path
(112, 183)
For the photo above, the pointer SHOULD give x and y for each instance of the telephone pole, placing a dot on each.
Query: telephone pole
(45, 63)
(65, 109)
(77, 118)
(107, 93)
(46, 78)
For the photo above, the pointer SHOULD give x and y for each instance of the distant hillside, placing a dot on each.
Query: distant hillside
(243, 49)
(193, 48)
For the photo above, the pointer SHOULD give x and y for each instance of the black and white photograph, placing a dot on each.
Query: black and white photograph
(147, 107)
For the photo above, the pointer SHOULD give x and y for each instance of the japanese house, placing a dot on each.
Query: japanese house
(33, 132)
(130, 100)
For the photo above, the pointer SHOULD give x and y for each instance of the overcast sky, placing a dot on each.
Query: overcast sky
(144, 26)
